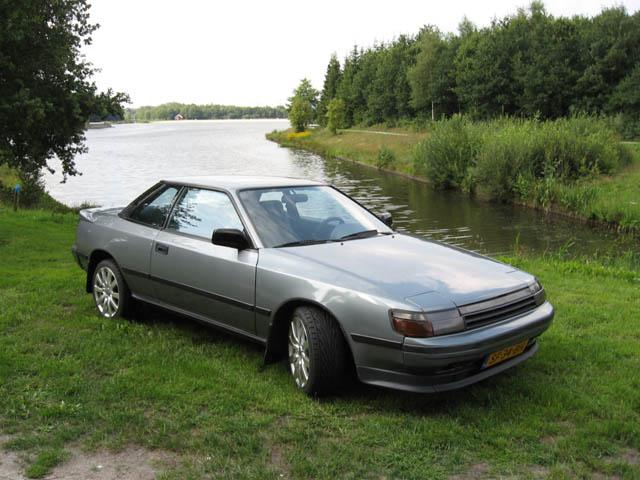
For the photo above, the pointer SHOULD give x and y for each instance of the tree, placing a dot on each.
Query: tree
(46, 95)
(302, 105)
(330, 87)
(300, 113)
(626, 96)
(336, 115)
(306, 92)
(432, 77)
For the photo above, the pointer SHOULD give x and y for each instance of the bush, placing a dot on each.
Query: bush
(32, 189)
(628, 126)
(386, 158)
(446, 157)
(298, 135)
(519, 158)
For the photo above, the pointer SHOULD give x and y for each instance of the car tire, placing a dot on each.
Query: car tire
(110, 292)
(316, 347)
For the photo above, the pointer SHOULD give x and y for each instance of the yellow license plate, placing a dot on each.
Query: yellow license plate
(505, 354)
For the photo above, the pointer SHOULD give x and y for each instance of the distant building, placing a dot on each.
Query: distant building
(178, 117)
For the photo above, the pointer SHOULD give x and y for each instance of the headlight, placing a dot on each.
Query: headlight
(426, 324)
(538, 292)
(535, 286)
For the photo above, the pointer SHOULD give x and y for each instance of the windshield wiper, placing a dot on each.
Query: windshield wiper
(298, 243)
(362, 234)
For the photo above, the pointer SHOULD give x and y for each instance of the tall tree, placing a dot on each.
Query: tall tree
(432, 78)
(330, 87)
(336, 115)
(611, 49)
(346, 87)
(46, 92)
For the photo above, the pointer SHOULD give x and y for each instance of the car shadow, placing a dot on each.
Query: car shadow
(353, 392)
(200, 332)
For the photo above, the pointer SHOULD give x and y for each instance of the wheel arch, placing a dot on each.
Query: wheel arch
(276, 346)
(95, 258)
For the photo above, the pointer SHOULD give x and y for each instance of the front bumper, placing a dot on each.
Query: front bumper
(453, 361)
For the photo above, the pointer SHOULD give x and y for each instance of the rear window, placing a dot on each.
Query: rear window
(153, 210)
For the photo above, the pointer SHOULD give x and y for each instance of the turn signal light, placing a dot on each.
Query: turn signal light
(426, 324)
(411, 324)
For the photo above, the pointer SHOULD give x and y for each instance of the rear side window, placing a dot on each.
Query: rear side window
(199, 212)
(153, 211)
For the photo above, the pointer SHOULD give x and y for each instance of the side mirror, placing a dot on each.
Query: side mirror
(386, 218)
(230, 237)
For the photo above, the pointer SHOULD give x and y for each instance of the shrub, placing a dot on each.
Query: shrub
(447, 155)
(527, 158)
(519, 158)
(298, 135)
(386, 158)
(32, 190)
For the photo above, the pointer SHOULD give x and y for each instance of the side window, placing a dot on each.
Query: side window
(154, 210)
(200, 212)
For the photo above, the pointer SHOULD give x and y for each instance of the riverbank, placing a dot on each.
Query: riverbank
(612, 200)
(78, 389)
(31, 196)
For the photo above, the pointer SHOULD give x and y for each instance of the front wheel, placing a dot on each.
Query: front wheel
(110, 292)
(317, 354)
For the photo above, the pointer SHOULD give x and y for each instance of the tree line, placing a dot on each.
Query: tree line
(169, 111)
(529, 64)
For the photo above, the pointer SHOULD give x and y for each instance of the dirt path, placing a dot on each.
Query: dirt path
(132, 463)
(376, 132)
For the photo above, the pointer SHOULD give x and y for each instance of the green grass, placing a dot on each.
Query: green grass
(611, 199)
(360, 145)
(70, 379)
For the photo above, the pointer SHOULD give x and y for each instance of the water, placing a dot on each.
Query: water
(125, 160)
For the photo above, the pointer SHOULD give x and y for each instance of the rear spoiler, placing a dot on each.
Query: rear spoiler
(89, 214)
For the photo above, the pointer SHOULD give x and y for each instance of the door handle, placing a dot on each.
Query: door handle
(163, 249)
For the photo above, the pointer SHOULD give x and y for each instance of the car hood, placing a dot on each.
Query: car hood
(400, 267)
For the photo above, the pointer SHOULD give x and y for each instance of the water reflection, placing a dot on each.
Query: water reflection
(125, 160)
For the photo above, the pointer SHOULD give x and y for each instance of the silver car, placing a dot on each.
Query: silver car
(316, 278)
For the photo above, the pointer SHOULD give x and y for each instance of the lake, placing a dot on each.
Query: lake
(125, 160)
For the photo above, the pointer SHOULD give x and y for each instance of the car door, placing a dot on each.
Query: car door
(193, 274)
(140, 224)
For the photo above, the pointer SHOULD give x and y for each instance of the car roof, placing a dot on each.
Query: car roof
(240, 182)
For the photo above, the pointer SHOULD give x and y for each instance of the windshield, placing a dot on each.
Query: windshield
(289, 216)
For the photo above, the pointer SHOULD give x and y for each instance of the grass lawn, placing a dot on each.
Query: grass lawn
(71, 380)
(361, 145)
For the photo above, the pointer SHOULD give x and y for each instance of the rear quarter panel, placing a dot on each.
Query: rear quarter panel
(128, 243)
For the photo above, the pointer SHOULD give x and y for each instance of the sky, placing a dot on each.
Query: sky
(245, 52)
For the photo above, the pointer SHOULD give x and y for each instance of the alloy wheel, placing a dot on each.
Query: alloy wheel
(299, 352)
(106, 292)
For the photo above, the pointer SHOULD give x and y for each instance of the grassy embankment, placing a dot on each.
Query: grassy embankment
(32, 195)
(70, 380)
(576, 167)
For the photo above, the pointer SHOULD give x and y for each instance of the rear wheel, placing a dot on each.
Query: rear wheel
(317, 354)
(110, 292)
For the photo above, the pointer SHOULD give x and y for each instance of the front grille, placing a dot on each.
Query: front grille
(500, 308)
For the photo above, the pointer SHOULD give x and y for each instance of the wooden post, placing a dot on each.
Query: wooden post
(16, 197)
(433, 113)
